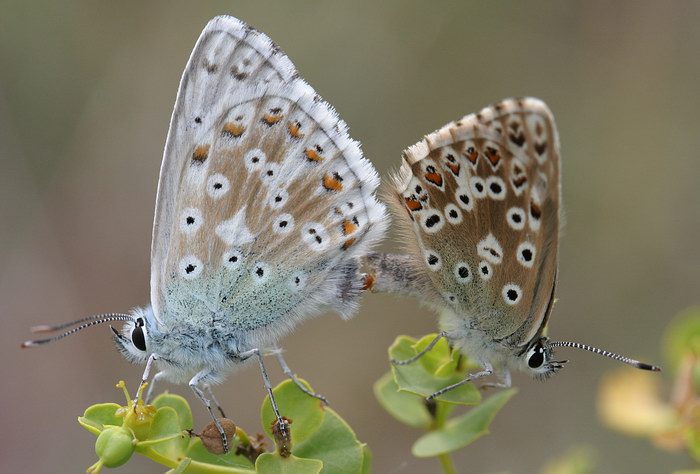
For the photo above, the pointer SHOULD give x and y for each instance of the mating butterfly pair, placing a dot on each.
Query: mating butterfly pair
(266, 213)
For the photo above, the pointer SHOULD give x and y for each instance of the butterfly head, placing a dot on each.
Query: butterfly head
(538, 360)
(134, 341)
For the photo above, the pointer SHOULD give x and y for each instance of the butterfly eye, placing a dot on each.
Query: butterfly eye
(535, 356)
(138, 338)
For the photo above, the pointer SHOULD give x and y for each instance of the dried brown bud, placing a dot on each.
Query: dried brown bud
(211, 438)
(282, 432)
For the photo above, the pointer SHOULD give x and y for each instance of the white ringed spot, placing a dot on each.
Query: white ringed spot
(433, 260)
(490, 249)
(516, 218)
(496, 188)
(260, 272)
(485, 270)
(217, 185)
(190, 267)
(512, 294)
(453, 214)
(254, 160)
(526, 254)
(315, 236)
(283, 224)
(232, 259)
(190, 220)
(462, 272)
(478, 187)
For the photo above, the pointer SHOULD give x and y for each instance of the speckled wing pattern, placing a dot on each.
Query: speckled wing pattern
(481, 196)
(264, 201)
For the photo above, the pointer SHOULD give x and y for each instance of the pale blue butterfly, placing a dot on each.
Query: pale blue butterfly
(264, 207)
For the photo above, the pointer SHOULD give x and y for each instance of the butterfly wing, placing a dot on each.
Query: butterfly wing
(264, 202)
(481, 197)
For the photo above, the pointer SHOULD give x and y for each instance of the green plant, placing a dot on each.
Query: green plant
(402, 393)
(320, 438)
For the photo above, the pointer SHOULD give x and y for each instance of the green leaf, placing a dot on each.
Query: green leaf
(269, 463)
(434, 371)
(335, 444)
(166, 423)
(366, 460)
(305, 412)
(682, 336)
(405, 407)
(97, 416)
(179, 404)
(199, 453)
(463, 430)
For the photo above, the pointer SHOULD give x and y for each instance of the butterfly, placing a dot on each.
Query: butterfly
(264, 207)
(478, 202)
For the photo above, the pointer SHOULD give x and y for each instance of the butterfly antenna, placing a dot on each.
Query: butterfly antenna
(83, 323)
(626, 360)
(46, 328)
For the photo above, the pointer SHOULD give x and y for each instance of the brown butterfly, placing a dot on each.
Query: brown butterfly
(479, 205)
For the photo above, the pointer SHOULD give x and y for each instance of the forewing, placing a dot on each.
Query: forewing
(263, 200)
(482, 198)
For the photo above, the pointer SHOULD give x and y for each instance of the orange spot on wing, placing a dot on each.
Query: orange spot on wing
(271, 119)
(349, 227)
(413, 204)
(493, 156)
(435, 178)
(312, 155)
(535, 210)
(332, 183)
(200, 154)
(293, 128)
(454, 167)
(232, 130)
(348, 243)
(471, 154)
(520, 181)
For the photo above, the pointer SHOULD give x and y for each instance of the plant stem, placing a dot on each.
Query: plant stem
(447, 464)
(441, 412)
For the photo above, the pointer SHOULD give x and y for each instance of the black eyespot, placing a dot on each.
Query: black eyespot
(137, 336)
(255, 159)
(218, 185)
(527, 255)
(283, 224)
(190, 268)
(479, 187)
(453, 214)
(484, 269)
(432, 220)
(517, 218)
(536, 359)
(495, 188)
(278, 198)
(512, 295)
(432, 259)
(198, 120)
(190, 220)
(260, 272)
(233, 259)
(463, 272)
(464, 198)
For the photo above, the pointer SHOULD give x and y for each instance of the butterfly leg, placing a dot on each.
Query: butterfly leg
(281, 429)
(207, 387)
(146, 373)
(427, 349)
(488, 370)
(194, 385)
(504, 383)
(287, 371)
(149, 393)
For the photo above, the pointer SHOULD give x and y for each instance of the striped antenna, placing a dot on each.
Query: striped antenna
(626, 360)
(83, 323)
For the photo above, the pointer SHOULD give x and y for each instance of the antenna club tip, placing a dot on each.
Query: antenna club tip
(26, 344)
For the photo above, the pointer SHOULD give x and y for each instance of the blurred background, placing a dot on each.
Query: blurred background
(86, 92)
